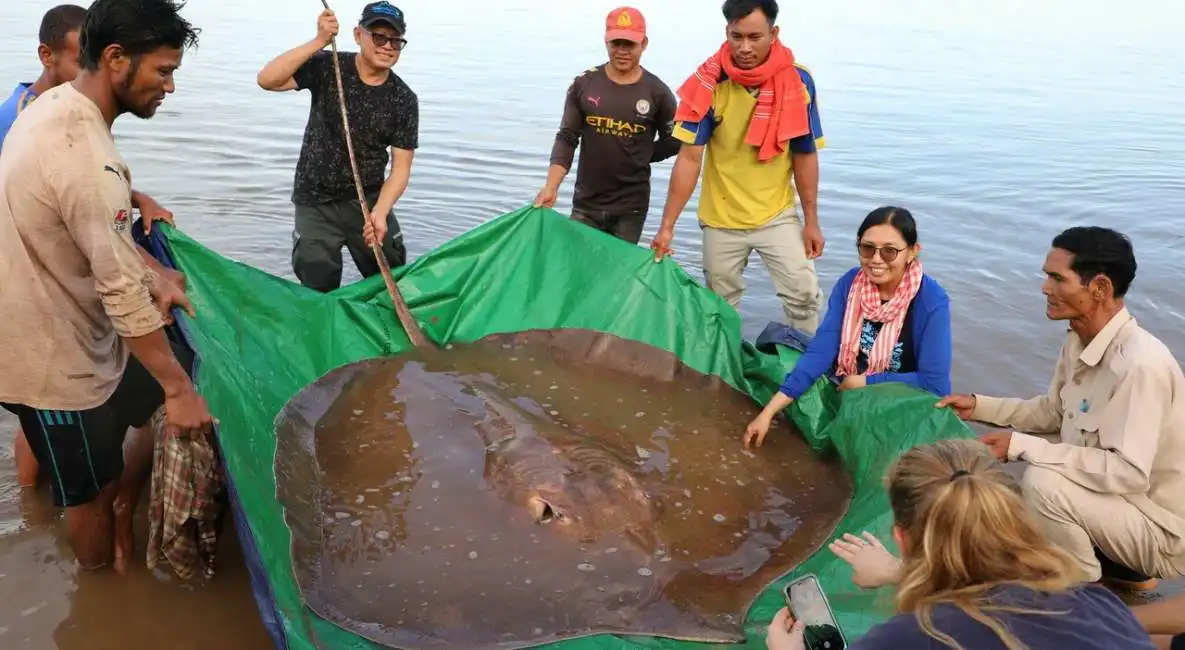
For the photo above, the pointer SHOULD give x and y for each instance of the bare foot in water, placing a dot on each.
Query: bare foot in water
(124, 542)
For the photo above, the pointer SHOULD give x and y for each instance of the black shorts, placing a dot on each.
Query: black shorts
(625, 226)
(1178, 642)
(83, 450)
(322, 230)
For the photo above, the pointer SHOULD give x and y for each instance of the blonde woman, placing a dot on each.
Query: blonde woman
(975, 573)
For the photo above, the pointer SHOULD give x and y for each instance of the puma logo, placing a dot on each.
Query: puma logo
(595, 101)
(118, 174)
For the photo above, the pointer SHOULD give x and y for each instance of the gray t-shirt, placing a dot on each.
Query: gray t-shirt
(381, 117)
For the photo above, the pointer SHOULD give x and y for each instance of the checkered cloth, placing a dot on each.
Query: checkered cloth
(187, 501)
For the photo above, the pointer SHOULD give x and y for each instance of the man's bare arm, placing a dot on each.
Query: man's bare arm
(279, 74)
(396, 183)
(684, 178)
(806, 182)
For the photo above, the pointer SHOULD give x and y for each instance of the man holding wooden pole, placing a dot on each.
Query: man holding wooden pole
(384, 117)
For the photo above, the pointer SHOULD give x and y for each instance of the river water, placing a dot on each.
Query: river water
(998, 124)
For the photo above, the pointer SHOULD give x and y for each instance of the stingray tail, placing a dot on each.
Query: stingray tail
(501, 420)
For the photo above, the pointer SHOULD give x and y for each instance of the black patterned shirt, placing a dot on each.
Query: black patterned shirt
(381, 117)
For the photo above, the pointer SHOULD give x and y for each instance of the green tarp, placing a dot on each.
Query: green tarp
(261, 339)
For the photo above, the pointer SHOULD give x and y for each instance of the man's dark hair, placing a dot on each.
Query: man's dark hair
(139, 26)
(57, 23)
(1100, 251)
(735, 10)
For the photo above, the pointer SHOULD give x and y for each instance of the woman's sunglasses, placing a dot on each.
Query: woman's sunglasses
(888, 253)
(397, 42)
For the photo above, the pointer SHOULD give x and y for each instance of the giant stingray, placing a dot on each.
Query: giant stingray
(541, 486)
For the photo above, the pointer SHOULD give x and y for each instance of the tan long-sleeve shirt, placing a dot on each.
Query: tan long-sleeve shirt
(1118, 408)
(72, 281)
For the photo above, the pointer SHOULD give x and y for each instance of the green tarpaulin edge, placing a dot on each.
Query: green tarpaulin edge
(261, 339)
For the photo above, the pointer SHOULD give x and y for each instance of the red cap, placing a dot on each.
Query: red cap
(625, 23)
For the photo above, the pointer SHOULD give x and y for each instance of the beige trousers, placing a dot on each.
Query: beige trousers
(779, 243)
(1077, 519)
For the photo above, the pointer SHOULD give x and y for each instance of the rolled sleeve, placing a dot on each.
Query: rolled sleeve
(406, 131)
(696, 133)
(95, 205)
(312, 74)
(813, 141)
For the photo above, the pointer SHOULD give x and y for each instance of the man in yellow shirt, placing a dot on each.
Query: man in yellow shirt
(755, 133)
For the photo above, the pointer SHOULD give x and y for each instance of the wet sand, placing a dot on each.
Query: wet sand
(48, 603)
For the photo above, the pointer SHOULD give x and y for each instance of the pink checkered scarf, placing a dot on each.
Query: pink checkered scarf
(864, 303)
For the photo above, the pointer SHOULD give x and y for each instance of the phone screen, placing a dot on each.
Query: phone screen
(807, 603)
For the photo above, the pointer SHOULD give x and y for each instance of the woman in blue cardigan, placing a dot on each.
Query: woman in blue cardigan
(886, 321)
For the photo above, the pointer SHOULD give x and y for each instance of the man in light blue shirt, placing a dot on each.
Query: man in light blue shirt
(58, 51)
(59, 54)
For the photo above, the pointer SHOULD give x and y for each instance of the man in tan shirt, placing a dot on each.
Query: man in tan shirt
(83, 313)
(1108, 485)
(60, 32)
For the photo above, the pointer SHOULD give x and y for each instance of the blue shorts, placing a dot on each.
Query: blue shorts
(83, 450)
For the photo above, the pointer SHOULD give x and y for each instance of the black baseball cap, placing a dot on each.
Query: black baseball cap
(383, 12)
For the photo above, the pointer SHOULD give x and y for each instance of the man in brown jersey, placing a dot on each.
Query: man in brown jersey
(621, 116)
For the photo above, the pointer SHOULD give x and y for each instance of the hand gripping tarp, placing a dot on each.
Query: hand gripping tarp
(259, 339)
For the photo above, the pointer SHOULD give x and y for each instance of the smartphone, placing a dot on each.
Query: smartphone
(805, 599)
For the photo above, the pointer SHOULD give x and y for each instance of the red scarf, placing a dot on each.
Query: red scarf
(781, 112)
(864, 303)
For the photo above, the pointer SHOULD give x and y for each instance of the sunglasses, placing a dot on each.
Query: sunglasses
(397, 42)
(887, 253)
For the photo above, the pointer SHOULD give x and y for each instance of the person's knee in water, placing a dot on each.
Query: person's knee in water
(65, 207)
(385, 126)
(1108, 438)
(975, 569)
(887, 321)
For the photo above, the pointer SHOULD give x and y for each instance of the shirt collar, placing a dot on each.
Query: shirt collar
(1092, 354)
